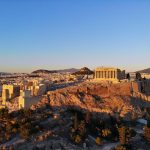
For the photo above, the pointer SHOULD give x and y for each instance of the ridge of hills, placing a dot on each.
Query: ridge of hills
(84, 71)
(71, 70)
(144, 70)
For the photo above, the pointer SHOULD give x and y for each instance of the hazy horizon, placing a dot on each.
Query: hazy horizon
(28, 70)
(72, 34)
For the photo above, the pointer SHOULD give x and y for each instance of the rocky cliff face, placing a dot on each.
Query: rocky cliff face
(113, 99)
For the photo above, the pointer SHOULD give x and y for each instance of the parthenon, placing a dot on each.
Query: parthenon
(112, 74)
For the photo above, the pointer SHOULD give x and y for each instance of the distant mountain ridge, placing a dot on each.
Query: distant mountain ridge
(84, 71)
(71, 70)
(5, 73)
(144, 71)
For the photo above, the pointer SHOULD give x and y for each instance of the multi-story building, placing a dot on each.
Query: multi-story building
(26, 100)
(9, 92)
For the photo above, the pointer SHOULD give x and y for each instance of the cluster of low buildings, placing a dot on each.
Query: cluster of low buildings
(27, 92)
(30, 90)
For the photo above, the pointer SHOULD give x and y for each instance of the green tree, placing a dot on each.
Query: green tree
(25, 133)
(9, 126)
(75, 121)
(120, 147)
(124, 135)
(82, 128)
(4, 113)
(138, 76)
(128, 76)
(7, 136)
(147, 133)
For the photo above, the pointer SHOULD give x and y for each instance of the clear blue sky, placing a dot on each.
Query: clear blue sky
(54, 34)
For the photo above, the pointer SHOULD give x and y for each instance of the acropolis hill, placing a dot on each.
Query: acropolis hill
(122, 98)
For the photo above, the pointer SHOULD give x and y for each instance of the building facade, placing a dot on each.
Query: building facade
(26, 100)
(10, 92)
(109, 74)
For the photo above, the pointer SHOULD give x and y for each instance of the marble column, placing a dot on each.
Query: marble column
(114, 74)
(109, 74)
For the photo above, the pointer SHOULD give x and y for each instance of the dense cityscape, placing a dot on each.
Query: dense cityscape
(104, 108)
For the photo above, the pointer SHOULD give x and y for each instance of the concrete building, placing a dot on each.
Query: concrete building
(26, 100)
(145, 75)
(9, 92)
(38, 90)
(41, 89)
(109, 74)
